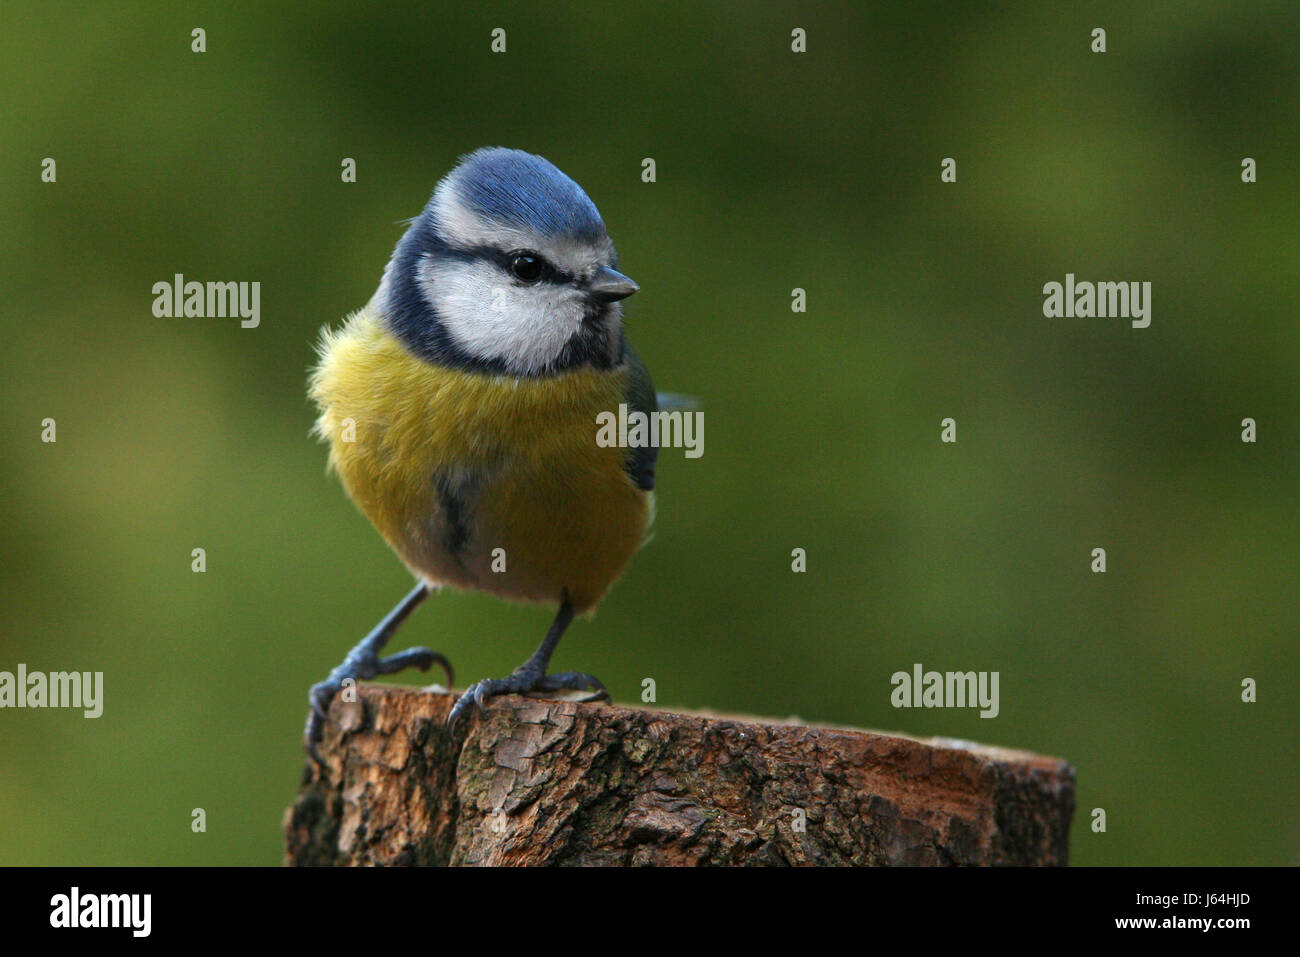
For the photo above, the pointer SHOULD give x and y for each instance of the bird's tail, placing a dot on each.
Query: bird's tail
(675, 401)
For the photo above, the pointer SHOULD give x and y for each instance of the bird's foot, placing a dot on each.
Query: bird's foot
(362, 664)
(525, 681)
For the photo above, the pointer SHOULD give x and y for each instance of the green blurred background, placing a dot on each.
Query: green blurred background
(775, 171)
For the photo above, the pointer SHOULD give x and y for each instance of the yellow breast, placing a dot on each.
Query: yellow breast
(476, 480)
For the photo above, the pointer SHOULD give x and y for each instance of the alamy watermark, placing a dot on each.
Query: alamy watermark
(677, 429)
(1103, 300)
(947, 689)
(58, 689)
(129, 911)
(211, 300)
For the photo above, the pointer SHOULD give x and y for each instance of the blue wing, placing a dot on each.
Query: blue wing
(640, 462)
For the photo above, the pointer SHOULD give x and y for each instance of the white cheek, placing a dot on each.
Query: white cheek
(491, 317)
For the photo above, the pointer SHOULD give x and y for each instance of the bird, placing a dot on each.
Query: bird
(460, 408)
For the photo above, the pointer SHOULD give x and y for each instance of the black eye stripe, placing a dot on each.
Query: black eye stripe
(502, 258)
(550, 273)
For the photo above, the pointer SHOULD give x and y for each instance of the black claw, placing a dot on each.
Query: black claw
(363, 662)
(421, 658)
(319, 698)
(527, 684)
(530, 676)
(361, 668)
(573, 681)
(312, 733)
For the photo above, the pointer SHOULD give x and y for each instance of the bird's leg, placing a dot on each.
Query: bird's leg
(531, 675)
(363, 662)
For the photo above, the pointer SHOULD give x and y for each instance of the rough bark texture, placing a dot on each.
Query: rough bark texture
(554, 782)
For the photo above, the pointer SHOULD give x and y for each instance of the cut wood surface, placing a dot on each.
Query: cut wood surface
(545, 782)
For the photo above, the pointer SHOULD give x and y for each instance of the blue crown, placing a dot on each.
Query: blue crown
(520, 189)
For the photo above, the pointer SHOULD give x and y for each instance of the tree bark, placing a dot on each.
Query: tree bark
(536, 781)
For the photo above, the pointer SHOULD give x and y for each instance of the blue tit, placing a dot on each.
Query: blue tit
(460, 407)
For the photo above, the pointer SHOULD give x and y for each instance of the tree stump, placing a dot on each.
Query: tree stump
(543, 781)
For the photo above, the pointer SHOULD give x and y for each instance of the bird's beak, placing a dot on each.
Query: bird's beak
(610, 285)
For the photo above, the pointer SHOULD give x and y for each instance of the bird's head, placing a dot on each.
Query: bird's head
(508, 269)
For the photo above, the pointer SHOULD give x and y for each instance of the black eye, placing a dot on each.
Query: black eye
(526, 267)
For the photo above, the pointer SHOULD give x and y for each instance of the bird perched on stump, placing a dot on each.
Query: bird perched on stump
(460, 406)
